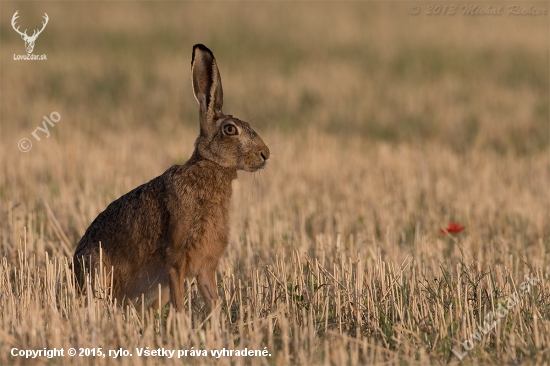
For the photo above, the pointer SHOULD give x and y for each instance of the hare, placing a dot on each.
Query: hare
(177, 225)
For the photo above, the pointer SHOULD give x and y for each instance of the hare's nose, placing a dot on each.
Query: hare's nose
(264, 153)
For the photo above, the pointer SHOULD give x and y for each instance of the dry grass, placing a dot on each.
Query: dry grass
(383, 128)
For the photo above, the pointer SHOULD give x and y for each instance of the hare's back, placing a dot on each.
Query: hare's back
(130, 227)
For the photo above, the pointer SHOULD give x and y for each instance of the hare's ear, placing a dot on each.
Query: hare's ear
(207, 84)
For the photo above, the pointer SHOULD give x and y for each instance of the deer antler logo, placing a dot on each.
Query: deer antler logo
(29, 41)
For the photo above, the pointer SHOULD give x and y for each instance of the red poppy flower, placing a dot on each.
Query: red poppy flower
(452, 228)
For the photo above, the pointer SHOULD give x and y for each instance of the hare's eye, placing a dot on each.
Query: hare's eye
(230, 130)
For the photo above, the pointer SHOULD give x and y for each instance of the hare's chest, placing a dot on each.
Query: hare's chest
(201, 223)
(207, 240)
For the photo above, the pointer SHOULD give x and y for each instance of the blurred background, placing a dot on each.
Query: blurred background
(354, 68)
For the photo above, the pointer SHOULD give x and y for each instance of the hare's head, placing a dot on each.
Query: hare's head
(223, 139)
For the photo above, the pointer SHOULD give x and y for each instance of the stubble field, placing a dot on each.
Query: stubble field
(383, 128)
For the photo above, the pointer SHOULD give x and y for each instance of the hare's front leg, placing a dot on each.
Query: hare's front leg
(176, 278)
(206, 280)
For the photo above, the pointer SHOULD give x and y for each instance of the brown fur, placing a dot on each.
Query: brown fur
(177, 225)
